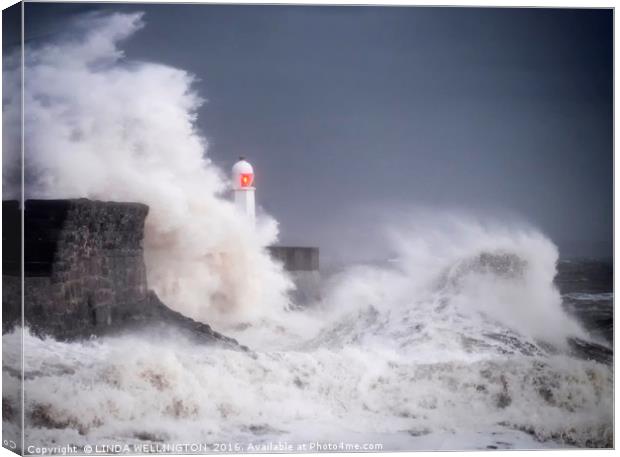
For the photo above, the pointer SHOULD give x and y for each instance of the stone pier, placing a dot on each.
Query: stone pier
(302, 264)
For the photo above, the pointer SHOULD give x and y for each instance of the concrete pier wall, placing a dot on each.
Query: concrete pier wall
(83, 262)
(84, 272)
(302, 264)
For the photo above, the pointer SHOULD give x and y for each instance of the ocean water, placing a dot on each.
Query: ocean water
(496, 350)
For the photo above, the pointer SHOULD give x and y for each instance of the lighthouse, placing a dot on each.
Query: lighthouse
(242, 180)
(300, 262)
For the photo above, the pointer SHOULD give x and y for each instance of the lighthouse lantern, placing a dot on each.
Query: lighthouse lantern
(243, 180)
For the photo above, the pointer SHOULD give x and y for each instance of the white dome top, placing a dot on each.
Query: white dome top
(242, 166)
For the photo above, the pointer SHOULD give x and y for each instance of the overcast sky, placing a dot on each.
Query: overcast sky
(343, 110)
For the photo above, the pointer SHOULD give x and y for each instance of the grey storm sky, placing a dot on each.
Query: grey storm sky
(345, 109)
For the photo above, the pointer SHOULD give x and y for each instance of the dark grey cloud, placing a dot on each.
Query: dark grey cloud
(342, 109)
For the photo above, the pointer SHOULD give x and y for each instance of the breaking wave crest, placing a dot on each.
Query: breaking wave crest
(104, 127)
(406, 359)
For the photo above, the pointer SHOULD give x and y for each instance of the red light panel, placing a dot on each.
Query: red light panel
(246, 179)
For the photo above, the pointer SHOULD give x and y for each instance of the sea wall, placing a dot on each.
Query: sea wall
(83, 263)
(84, 271)
(302, 265)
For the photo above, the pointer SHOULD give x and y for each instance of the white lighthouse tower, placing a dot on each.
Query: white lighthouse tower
(243, 178)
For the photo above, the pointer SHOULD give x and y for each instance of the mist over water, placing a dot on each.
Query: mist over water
(460, 341)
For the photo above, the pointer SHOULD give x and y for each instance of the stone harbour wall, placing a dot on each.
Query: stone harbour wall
(83, 259)
(302, 265)
(84, 271)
